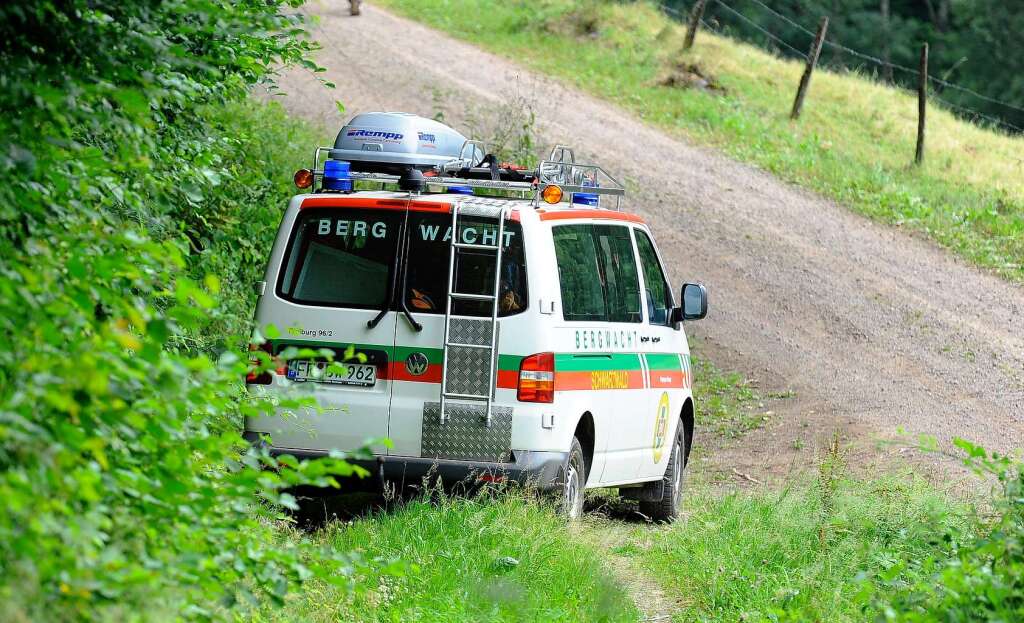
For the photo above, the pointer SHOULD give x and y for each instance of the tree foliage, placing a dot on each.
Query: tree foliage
(975, 44)
(129, 177)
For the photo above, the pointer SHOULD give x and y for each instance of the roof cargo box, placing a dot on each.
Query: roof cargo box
(392, 142)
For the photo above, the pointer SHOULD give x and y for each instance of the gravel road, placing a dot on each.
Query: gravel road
(865, 323)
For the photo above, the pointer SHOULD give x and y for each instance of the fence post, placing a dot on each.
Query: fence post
(812, 61)
(691, 28)
(922, 105)
(886, 42)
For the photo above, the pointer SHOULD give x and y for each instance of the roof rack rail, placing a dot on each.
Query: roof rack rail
(560, 169)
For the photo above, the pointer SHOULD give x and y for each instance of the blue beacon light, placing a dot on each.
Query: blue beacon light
(587, 199)
(336, 175)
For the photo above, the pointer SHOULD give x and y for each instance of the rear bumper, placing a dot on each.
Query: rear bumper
(542, 470)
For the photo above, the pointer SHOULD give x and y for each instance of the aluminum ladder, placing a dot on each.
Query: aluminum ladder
(457, 245)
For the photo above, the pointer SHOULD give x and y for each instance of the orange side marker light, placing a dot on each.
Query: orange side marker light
(551, 194)
(303, 178)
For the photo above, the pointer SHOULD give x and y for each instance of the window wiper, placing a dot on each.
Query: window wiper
(402, 304)
(372, 324)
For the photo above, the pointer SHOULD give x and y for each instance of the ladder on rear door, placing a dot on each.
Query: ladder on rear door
(487, 347)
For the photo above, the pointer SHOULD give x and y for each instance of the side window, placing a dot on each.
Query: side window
(621, 282)
(597, 273)
(658, 294)
(579, 273)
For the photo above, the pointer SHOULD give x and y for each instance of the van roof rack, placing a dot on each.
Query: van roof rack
(559, 169)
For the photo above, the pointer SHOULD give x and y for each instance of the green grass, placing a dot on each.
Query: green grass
(727, 404)
(504, 558)
(854, 142)
(798, 554)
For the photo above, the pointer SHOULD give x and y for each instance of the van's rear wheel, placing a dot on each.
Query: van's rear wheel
(574, 480)
(667, 509)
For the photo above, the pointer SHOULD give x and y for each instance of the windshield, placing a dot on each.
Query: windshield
(344, 258)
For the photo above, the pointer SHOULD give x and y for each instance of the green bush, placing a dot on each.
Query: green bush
(982, 576)
(137, 197)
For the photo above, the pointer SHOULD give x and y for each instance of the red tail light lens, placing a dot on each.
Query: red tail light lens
(255, 377)
(537, 378)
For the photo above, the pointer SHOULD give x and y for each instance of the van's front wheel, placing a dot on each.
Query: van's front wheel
(574, 480)
(667, 508)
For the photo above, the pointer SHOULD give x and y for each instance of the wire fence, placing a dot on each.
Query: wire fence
(962, 110)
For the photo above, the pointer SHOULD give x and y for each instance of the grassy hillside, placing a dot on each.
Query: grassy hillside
(854, 143)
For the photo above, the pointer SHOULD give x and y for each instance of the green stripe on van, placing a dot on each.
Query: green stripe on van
(592, 361)
(435, 356)
(662, 361)
(509, 362)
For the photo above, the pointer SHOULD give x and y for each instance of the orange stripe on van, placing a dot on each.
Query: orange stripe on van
(443, 207)
(607, 215)
(598, 380)
(507, 379)
(668, 378)
(380, 204)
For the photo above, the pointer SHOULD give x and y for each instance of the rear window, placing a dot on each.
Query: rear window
(427, 280)
(341, 258)
(345, 258)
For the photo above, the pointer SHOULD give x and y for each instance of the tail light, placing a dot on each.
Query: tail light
(537, 378)
(255, 377)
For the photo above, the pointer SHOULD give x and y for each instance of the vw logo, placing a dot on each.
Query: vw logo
(416, 364)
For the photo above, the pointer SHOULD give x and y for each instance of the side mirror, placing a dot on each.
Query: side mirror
(695, 302)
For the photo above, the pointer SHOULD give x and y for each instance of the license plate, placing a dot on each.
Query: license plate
(355, 374)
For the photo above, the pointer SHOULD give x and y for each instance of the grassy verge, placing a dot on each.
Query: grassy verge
(802, 554)
(825, 549)
(854, 142)
(480, 559)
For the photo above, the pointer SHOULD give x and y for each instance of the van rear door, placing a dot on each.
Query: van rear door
(334, 288)
(418, 363)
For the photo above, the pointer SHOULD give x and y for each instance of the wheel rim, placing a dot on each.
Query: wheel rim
(572, 489)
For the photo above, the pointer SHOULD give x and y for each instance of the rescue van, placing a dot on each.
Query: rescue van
(512, 324)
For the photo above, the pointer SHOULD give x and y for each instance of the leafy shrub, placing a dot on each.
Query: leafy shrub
(134, 206)
(982, 578)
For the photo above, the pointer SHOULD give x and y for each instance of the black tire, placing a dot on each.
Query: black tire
(569, 495)
(671, 484)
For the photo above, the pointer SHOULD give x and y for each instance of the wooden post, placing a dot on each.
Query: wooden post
(354, 7)
(812, 62)
(922, 105)
(691, 28)
(886, 42)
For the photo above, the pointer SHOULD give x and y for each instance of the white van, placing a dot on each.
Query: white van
(532, 338)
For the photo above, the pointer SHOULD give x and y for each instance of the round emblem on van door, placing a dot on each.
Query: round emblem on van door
(660, 427)
(416, 364)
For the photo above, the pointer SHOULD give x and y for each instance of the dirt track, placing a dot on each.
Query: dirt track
(872, 328)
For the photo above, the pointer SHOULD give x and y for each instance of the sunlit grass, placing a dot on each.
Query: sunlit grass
(815, 551)
(486, 558)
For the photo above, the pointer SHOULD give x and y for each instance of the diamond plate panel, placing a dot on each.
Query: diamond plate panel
(482, 206)
(467, 370)
(470, 331)
(465, 435)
